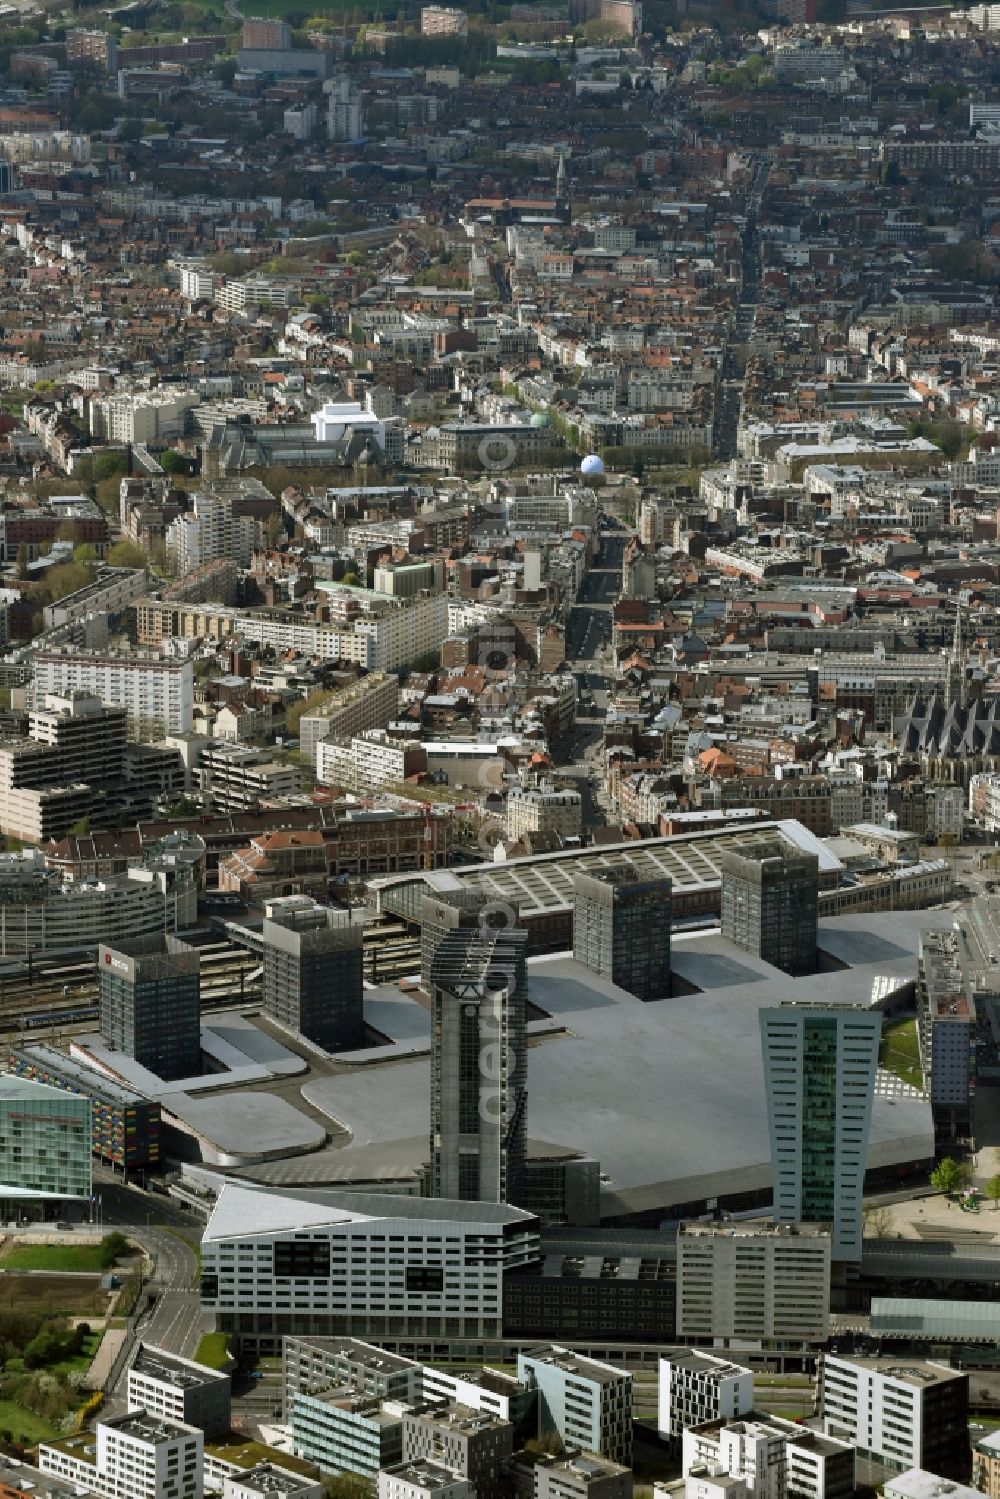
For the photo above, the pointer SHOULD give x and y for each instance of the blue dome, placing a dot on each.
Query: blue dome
(592, 465)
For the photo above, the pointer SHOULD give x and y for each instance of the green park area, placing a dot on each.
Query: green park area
(52, 1311)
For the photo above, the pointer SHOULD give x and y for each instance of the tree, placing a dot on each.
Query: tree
(110, 465)
(877, 1223)
(127, 554)
(948, 1175)
(112, 1247)
(993, 1190)
(173, 462)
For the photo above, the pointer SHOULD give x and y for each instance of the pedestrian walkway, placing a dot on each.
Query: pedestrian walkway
(99, 1373)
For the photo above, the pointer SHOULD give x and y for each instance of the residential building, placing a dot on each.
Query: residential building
(770, 906)
(621, 928)
(986, 1464)
(150, 1003)
(587, 1404)
(238, 779)
(696, 1387)
(157, 694)
(345, 121)
(819, 1076)
(906, 1413)
(471, 1444)
(342, 1431)
(125, 1127)
(708, 1481)
(919, 1483)
(753, 1284)
(134, 1456)
(164, 1384)
(369, 761)
(442, 1264)
(111, 591)
(772, 1457)
(422, 1480)
(44, 1145)
(544, 809)
(372, 702)
(479, 1065)
(581, 1476)
(316, 1363)
(270, 1481)
(443, 20)
(89, 737)
(314, 972)
(266, 35)
(486, 1390)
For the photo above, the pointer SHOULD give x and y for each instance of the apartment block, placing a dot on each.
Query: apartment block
(163, 1384)
(135, 1456)
(544, 809)
(158, 695)
(372, 702)
(696, 1387)
(773, 1458)
(470, 1443)
(587, 1404)
(907, 1413)
(370, 760)
(443, 20)
(422, 1480)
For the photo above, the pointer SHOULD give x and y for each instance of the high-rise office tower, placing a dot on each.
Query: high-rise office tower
(479, 1065)
(621, 928)
(770, 906)
(150, 1004)
(314, 973)
(819, 1075)
(446, 910)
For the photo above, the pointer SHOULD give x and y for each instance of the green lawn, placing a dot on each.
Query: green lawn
(213, 1350)
(24, 1425)
(899, 1052)
(56, 1257)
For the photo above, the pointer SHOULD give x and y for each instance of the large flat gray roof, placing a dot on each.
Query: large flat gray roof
(668, 1096)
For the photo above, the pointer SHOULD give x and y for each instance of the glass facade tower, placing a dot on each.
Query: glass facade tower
(819, 1072)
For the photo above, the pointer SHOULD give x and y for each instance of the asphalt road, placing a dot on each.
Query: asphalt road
(588, 650)
(175, 1321)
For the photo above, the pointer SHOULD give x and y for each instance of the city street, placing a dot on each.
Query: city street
(589, 653)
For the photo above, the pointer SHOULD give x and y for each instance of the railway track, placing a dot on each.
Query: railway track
(61, 994)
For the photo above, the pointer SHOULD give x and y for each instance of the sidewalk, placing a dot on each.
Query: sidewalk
(103, 1362)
